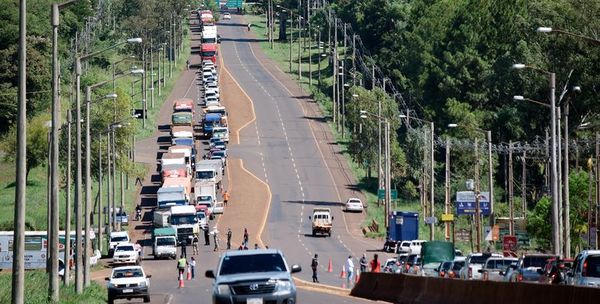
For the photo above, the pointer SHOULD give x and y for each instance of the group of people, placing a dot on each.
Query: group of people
(183, 264)
(374, 266)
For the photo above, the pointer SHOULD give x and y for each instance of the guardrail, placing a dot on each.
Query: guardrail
(400, 288)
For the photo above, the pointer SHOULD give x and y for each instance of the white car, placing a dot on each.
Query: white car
(128, 282)
(354, 204)
(226, 16)
(117, 237)
(218, 208)
(211, 101)
(126, 253)
(415, 246)
(211, 92)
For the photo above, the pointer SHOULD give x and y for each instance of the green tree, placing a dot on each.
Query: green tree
(37, 142)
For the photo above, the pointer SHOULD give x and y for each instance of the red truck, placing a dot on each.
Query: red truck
(209, 52)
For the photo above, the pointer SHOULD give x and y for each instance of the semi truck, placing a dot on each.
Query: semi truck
(171, 196)
(209, 122)
(210, 170)
(184, 221)
(164, 243)
(403, 226)
(205, 193)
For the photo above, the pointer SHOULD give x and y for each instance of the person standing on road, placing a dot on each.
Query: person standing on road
(314, 264)
(193, 268)
(350, 268)
(225, 198)
(181, 263)
(246, 237)
(215, 233)
(206, 237)
(184, 244)
(363, 263)
(187, 64)
(229, 238)
(195, 244)
(375, 265)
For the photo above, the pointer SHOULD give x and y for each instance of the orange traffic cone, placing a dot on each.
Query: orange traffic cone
(343, 274)
(181, 285)
(330, 267)
(189, 274)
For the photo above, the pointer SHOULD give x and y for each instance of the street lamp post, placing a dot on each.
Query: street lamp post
(554, 172)
(387, 179)
(553, 30)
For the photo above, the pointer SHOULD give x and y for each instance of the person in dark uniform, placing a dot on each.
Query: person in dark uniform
(229, 233)
(206, 237)
(314, 264)
(184, 245)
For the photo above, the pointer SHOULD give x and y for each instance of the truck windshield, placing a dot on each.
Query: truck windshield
(204, 198)
(209, 40)
(204, 174)
(165, 242)
(187, 219)
(119, 239)
(252, 263)
(208, 54)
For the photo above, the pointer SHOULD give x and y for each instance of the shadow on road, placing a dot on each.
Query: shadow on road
(243, 39)
(314, 203)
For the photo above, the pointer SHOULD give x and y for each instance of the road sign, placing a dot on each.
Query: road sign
(381, 194)
(465, 203)
(431, 220)
(462, 235)
(448, 217)
(509, 243)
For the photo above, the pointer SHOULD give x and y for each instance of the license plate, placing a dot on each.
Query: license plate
(254, 301)
(127, 290)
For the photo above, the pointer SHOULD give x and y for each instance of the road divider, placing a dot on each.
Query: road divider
(400, 288)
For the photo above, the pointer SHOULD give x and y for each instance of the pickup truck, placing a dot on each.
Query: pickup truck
(322, 221)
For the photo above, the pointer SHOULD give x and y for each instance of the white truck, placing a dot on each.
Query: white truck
(322, 221)
(164, 243)
(205, 193)
(162, 218)
(222, 133)
(166, 197)
(210, 170)
(185, 222)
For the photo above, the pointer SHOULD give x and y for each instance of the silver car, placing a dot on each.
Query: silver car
(253, 276)
(586, 269)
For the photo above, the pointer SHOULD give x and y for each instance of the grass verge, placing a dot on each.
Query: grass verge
(36, 285)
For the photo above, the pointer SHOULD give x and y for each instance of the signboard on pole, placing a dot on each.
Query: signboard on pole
(465, 203)
(463, 235)
(381, 194)
(509, 245)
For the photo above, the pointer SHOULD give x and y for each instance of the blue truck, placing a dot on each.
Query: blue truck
(210, 121)
(403, 226)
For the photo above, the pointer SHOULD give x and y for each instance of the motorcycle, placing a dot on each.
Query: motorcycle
(138, 215)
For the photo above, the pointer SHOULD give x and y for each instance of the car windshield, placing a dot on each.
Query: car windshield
(592, 266)
(165, 242)
(204, 174)
(184, 141)
(124, 248)
(127, 273)
(118, 239)
(478, 259)
(252, 263)
(219, 153)
(458, 265)
(498, 264)
(535, 261)
(183, 219)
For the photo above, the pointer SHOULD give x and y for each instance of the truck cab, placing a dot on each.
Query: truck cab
(209, 52)
(209, 122)
(184, 220)
(322, 221)
(164, 243)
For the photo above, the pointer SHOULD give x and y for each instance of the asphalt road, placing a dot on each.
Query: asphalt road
(280, 148)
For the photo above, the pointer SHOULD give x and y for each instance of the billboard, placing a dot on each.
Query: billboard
(465, 203)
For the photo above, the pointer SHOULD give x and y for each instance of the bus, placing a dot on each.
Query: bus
(36, 248)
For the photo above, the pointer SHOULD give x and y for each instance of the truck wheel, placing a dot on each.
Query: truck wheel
(111, 300)
(329, 233)
(147, 299)
(314, 233)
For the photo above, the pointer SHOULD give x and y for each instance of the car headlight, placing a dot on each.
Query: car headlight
(283, 287)
(111, 285)
(223, 289)
(143, 284)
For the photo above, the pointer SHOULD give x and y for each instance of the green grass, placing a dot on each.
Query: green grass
(36, 285)
(280, 55)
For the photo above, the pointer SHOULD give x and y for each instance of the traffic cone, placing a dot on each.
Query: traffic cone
(189, 275)
(343, 274)
(343, 283)
(330, 267)
(181, 285)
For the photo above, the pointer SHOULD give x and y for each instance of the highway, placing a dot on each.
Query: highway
(279, 147)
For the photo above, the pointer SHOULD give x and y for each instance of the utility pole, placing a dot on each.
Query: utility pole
(590, 165)
(78, 182)
(490, 177)
(171, 55)
(511, 207)
(373, 77)
(144, 86)
(67, 274)
(159, 78)
(432, 185)
(353, 60)
(447, 191)
(309, 55)
(561, 230)
(388, 181)
(88, 189)
(291, 35)
(299, 48)
(379, 169)
(566, 199)
(319, 48)
(477, 202)
(524, 185)
(53, 286)
(109, 196)
(597, 187)
(100, 224)
(334, 79)
(343, 97)
(18, 268)
(554, 179)
(117, 225)
(151, 74)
